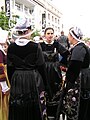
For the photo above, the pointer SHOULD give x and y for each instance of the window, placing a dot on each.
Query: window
(26, 9)
(52, 25)
(18, 6)
(31, 11)
(52, 18)
(55, 20)
(48, 24)
(48, 16)
(58, 21)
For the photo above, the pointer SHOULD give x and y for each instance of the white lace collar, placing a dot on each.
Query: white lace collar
(49, 43)
(2, 49)
(21, 42)
(77, 43)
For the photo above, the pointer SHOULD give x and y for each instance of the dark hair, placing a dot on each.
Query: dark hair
(23, 32)
(62, 32)
(30, 27)
(48, 28)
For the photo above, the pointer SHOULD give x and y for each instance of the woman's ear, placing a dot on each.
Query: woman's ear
(26, 32)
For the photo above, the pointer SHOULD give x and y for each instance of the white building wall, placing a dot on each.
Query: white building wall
(38, 10)
(38, 7)
(2, 4)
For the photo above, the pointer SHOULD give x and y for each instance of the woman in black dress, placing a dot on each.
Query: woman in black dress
(55, 55)
(27, 75)
(77, 99)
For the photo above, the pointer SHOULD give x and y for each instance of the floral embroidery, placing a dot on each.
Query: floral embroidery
(71, 102)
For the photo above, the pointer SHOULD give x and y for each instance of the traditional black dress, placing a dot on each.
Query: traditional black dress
(54, 54)
(26, 73)
(77, 100)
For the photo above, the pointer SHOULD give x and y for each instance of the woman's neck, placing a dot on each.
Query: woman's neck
(75, 42)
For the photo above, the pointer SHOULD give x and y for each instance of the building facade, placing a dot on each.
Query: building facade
(42, 13)
(2, 4)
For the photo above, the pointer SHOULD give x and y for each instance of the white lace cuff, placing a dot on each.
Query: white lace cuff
(4, 86)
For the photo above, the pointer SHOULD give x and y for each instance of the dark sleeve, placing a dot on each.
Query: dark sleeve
(40, 57)
(64, 53)
(78, 53)
(41, 65)
(10, 66)
(42, 70)
(61, 48)
(65, 56)
(68, 44)
(73, 71)
(75, 65)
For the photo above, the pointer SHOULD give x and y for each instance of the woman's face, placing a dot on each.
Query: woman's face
(70, 38)
(49, 35)
(5, 47)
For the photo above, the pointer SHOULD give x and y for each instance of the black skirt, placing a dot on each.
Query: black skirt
(24, 102)
(55, 80)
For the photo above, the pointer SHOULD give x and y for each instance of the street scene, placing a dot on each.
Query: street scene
(44, 60)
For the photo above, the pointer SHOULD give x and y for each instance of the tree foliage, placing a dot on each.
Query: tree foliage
(36, 33)
(86, 39)
(4, 21)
